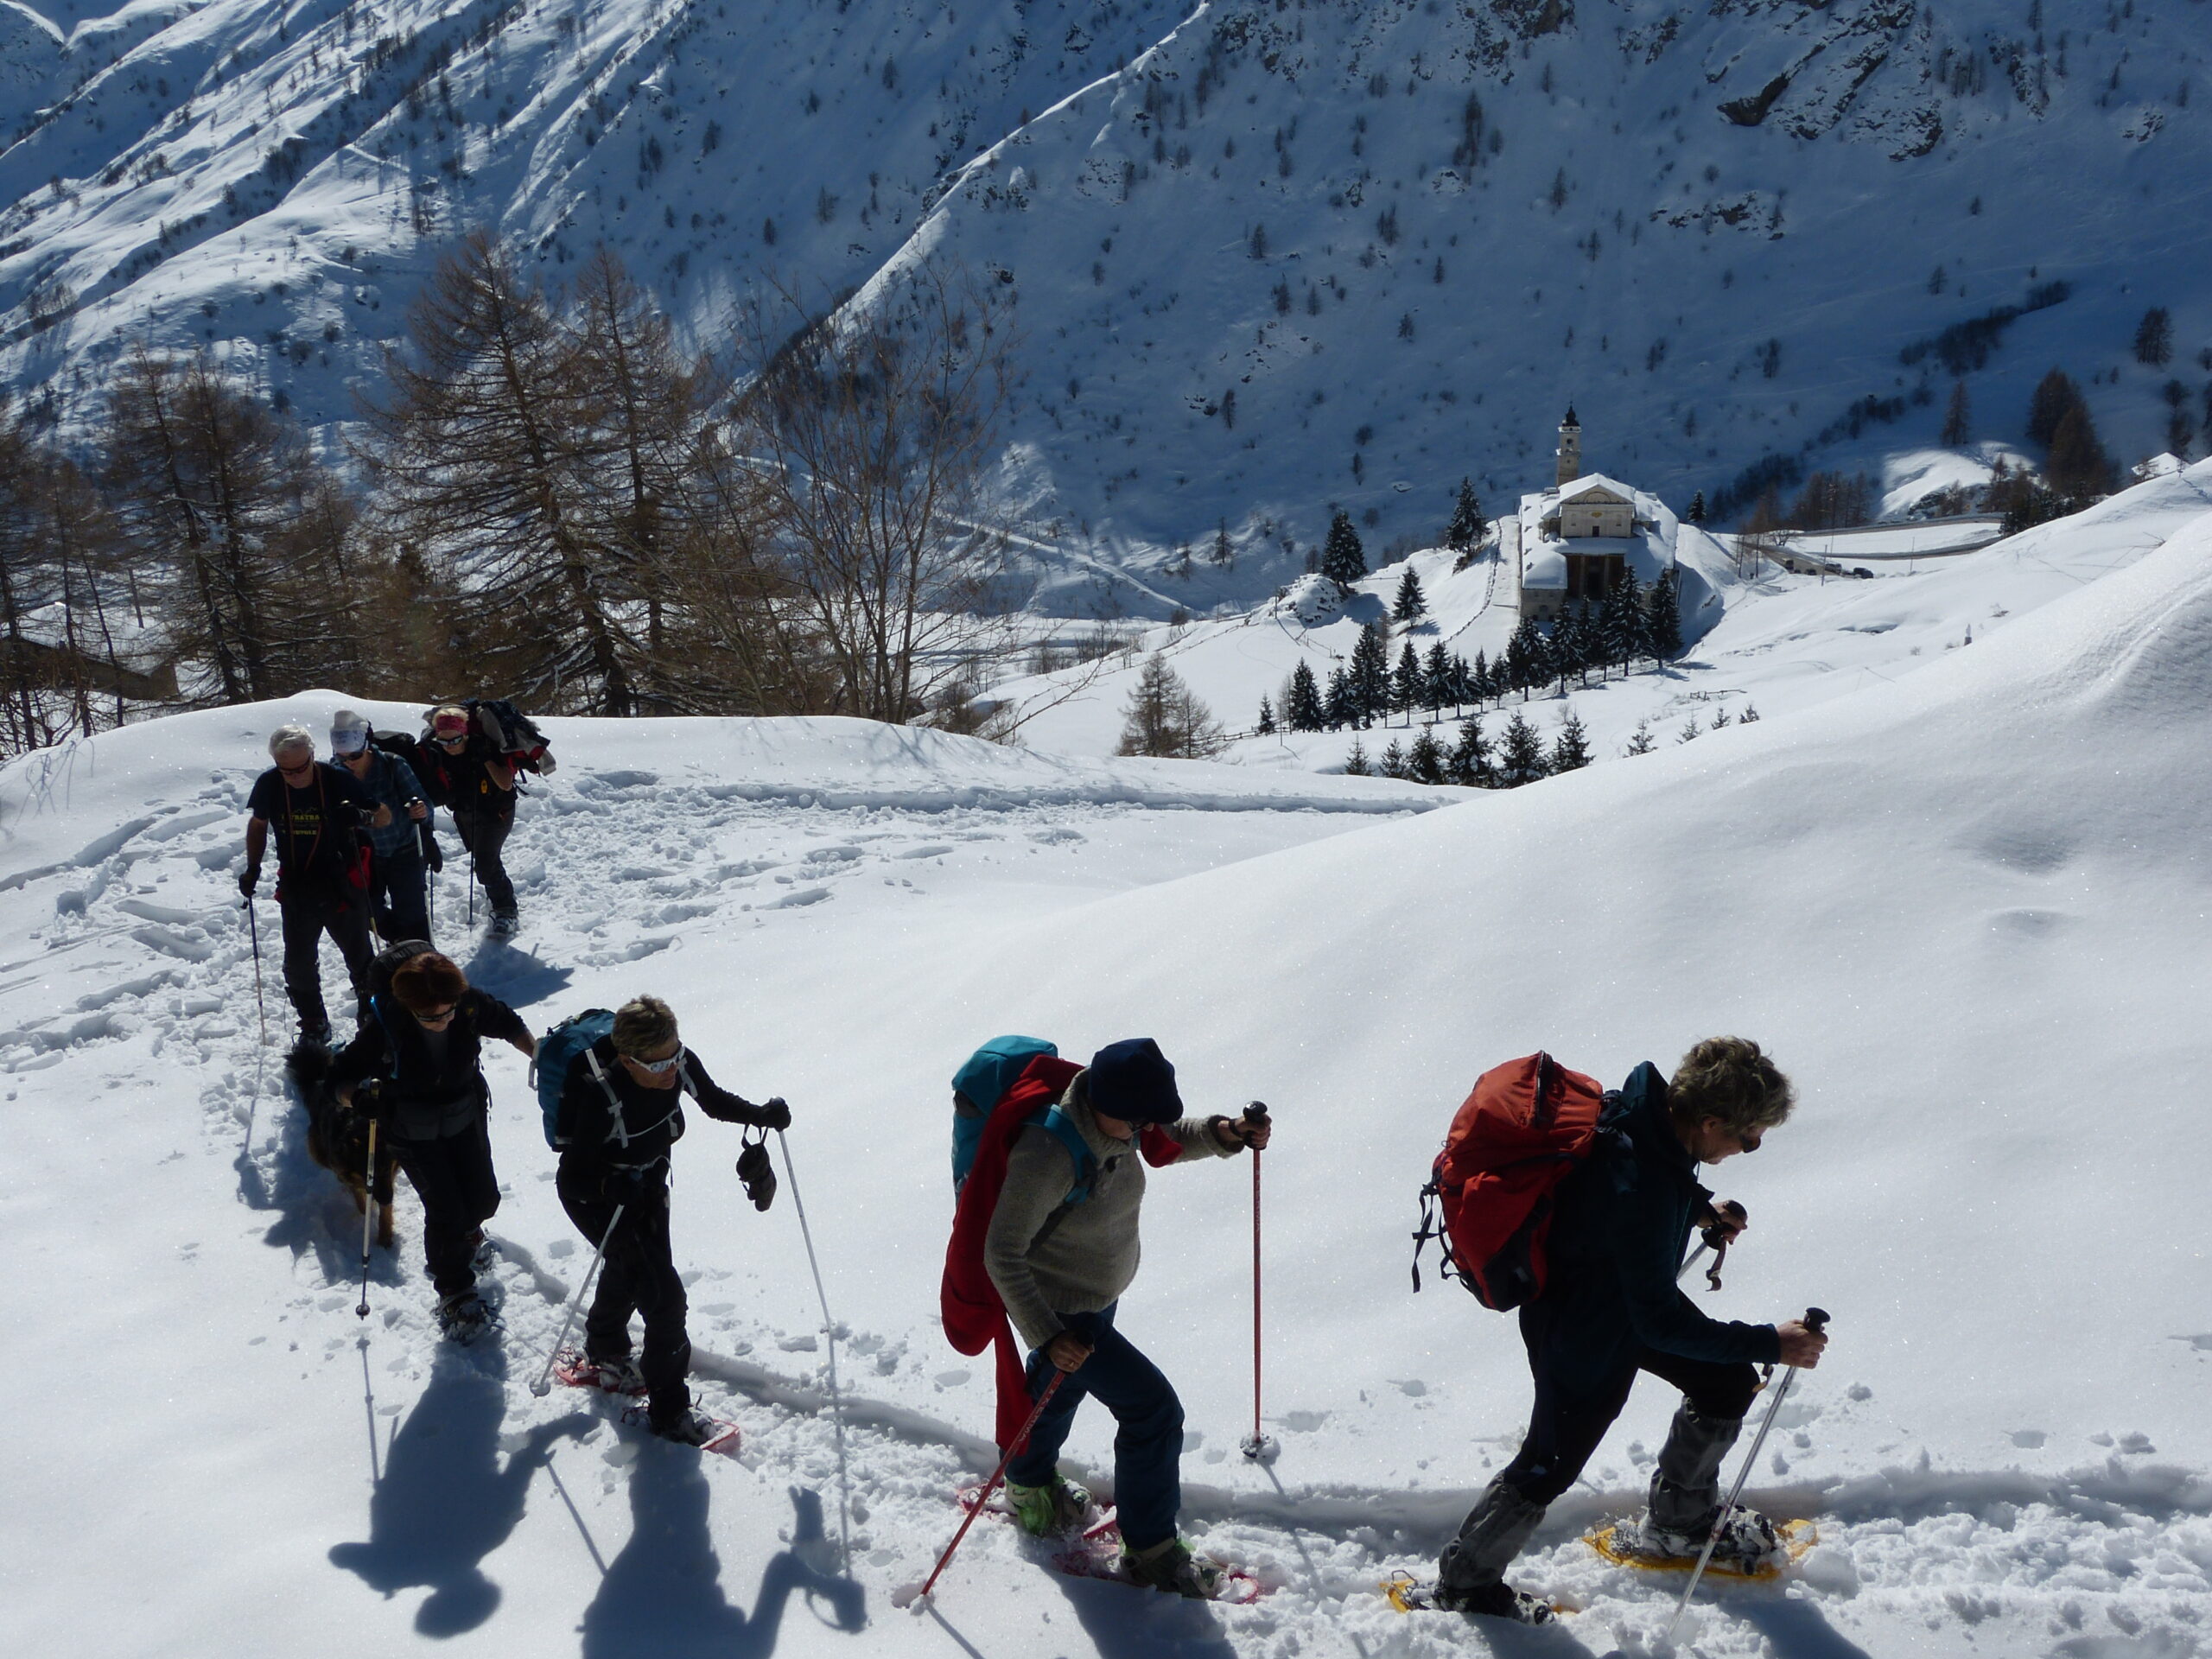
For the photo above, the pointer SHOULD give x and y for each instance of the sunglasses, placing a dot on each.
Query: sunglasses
(438, 1016)
(658, 1068)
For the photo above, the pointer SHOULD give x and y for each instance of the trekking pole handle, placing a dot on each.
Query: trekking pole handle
(1816, 1320)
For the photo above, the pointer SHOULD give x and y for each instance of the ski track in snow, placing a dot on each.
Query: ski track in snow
(2108, 1561)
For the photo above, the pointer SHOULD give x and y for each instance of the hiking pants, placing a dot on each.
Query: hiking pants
(399, 895)
(453, 1176)
(1564, 1428)
(306, 918)
(1147, 1438)
(483, 834)
(638, 1275)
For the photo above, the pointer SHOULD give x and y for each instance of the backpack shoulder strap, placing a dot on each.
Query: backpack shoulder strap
(622, 1134)
(1062, 1128)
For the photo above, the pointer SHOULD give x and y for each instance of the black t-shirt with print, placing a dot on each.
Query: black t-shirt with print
(315, 825)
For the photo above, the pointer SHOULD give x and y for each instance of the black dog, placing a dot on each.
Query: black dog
(338, 1138)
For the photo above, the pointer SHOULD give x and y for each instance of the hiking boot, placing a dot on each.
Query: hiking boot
(1748, 1543)
(315, 1034)
(690, 1426)
(1170, 1566)
(462, 1317)
(505, 924)
(1049, 1511)
(1499, 1600)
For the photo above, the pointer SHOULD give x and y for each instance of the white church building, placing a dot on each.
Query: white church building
(1577, 539)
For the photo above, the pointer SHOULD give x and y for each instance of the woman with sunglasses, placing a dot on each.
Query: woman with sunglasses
(621, 1111)
(419, 1054)
(462, 772)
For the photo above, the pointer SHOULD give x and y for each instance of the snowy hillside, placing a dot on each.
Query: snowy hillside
(1266, 258)
(1965, 910)
(1775, 644)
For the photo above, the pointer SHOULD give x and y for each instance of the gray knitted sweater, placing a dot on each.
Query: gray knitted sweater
(1088, 1258)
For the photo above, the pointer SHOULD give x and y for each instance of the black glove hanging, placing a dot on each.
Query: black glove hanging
(757, 1172)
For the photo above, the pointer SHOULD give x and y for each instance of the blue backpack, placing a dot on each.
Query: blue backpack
(549, 1068)
(984, 1077)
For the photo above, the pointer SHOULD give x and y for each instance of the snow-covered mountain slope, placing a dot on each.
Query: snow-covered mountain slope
(1402, 236)
(1777, 643)
(1964, 910)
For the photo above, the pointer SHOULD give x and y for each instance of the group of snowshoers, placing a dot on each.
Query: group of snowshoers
(1573, 1204)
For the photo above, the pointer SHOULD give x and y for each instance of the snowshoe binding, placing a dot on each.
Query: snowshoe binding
(463, 1317)
(506, 923)
(1750, 1545)
(1172, 1568)
(691, 1426)
(1499, 1600)
(579, 1371)
(1052, 1511)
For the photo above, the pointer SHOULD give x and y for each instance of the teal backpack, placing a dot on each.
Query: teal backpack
(549, 1068)
(982, 1080)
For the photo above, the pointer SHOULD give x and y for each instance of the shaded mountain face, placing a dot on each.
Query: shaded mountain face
(1267, 259)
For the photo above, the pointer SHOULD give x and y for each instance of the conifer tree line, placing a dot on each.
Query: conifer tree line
(1632, 624)
(547, 498)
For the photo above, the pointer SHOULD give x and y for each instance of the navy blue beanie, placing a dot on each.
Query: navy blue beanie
(1133, 1080)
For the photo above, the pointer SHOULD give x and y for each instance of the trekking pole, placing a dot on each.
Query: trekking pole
(368, 1217)
(1815, 1320)
(916, 1600)
(1257, 1447)
(829, 1335)
(253, 928)
(542, 1387)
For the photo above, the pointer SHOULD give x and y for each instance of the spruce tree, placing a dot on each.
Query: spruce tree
(1407, 682)
(1302, 701)
(1356, 763)
(1438, 680)
(1223, 555)
(1524, 658)
(1340, 707)
(1622, 622)
(1344, 560)
(1695, 512)
(1958, 419)
(1394, 761)
(1425, 759)
(1468, 528)
(1522, 760)
(1470, 762)
(1370, 673)
(1411, 604)
(1266, 721)
(2056, 396)
(2078, 466)
(1479, 679)
(1663, 617)
(1571, 748)
(1641, 742)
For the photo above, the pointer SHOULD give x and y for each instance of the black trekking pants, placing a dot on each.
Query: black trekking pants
(483, 833)
(454, 1178)
(306, 918)
(399, 896)
(1566, 1423)
(637, 1276)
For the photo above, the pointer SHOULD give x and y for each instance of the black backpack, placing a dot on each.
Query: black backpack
(514, 734)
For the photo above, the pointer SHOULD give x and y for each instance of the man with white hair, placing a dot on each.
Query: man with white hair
(322, 867)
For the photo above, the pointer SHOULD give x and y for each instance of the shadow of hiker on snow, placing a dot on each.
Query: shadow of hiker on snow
(662, 1597)
(444, 1503)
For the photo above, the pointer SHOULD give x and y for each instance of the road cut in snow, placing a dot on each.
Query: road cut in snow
(1965, 910)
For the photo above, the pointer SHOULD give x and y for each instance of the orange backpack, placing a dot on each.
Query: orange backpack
(1525, 1128)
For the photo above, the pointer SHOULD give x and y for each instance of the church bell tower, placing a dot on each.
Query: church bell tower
(1570, 449)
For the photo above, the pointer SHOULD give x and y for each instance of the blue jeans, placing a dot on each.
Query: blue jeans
(1148, 1445)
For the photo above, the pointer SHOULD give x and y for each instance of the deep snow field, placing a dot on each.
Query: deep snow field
(1962, 900)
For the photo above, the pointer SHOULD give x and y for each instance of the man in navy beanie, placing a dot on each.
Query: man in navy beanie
(1061, 1249)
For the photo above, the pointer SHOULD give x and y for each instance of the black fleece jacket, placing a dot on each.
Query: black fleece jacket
(427, 1095)
(609, 1121)
(1623, 1222)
